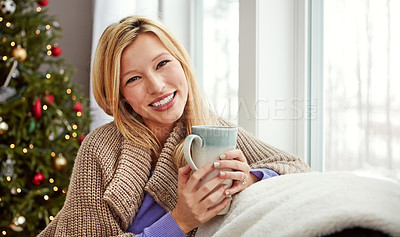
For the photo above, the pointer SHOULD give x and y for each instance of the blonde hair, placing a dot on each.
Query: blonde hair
(106, 82)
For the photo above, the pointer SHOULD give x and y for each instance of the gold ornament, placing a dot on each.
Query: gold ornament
(3, 127)
(19, 53)
(60, 162)
(18, 223)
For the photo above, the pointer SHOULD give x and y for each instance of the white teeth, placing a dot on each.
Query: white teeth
(164, 101)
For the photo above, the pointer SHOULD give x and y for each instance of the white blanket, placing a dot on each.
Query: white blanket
(310, 204)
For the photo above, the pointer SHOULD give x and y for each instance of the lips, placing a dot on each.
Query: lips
(163, 102)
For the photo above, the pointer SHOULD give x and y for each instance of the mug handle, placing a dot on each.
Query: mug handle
(186, 149)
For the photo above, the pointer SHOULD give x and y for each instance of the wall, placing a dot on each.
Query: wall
(75, 18)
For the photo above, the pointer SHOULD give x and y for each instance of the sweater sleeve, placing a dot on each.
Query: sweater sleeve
(263, 173)
(85, 213)
(164, 227)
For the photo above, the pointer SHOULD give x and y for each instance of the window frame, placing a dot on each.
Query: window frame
(303, 129)
(316, 156)
(250, 64)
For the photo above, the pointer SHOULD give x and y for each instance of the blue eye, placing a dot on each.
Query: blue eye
(162, 63)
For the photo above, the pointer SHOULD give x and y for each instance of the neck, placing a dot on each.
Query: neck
(162, 132)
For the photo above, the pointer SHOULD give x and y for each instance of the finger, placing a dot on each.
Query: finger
(232, 164)
(236, 187)
(212, 198)
(221, 206)
(198, 175)
(183, 175)
(234, 175)
(207, 188)
(233, 154)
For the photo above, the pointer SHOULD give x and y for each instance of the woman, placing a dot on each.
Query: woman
(130, 175)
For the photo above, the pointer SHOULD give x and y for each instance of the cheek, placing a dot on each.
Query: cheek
(133, 101)
(180, 79)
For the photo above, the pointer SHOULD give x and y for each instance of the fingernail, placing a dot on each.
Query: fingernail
(222, 173)
(227, 193)
(222, 156)
(226, 186)
(216, 164)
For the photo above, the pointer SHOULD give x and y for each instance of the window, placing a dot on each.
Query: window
(218, 64)
(361, 78)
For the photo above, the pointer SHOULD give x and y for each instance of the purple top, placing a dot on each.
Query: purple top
(152, 219)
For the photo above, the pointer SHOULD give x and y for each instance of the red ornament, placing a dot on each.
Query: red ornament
(37, 109)
(38, 179)
(56, 51)
(43, 3)
(81, 138)
(48, 97)
(78, 107)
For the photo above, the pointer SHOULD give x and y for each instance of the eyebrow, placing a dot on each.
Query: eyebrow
(161, 54)
(154, 59)
(126, 73)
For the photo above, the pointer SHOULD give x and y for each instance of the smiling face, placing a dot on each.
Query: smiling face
(153, 82)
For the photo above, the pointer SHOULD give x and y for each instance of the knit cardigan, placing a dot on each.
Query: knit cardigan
(111, 176)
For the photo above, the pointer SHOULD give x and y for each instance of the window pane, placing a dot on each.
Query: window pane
(361, 82)
(220, 56)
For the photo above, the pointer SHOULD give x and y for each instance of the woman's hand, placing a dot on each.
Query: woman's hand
(240, 173)
(193, 206)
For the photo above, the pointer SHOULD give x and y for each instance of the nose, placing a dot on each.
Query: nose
(155, 84)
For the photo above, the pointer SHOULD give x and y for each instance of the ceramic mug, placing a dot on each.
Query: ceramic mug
(204, 146)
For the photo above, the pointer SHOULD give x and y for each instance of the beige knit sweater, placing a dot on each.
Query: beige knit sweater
(110, 178)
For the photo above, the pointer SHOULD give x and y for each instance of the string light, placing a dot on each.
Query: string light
(12, 44)
(48, 27)
(4, 39)
(1, 19)
(8, 24)
(55, 188)
(44, 107)
(31, 146)
(48, 75)
(48, 47)
(49, 52)
(37, 32)
(12, 146)
(67, 137)
(73, 97)
(8, 178)
(74, 126)
(24, 150)
(19, 190)
(38, 9)
(46, 197)
(63, 191)
(74, 134)
(51, 218)
(68, 90)
(4, 232)
(53, 154)
(51, 180)
(4, 58)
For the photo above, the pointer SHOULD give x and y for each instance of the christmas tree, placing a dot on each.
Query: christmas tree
(43, 118)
